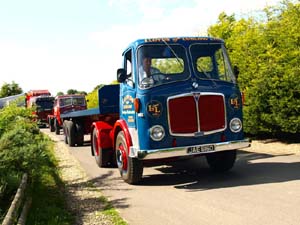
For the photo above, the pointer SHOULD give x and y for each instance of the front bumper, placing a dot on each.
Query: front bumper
(184, 151)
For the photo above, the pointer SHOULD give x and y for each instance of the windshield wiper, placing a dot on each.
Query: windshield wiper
(204, 72)
(174, 53)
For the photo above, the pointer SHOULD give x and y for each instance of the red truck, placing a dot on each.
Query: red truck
(43, 103)
(64, 104)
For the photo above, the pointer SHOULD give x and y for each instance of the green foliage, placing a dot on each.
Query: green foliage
(49, 208)
(71, 92)
(74, 91)
(7, 190)
(111, 212)
(10, 89)
(92, 98)
(59, 93)
(10, 115)
(22, 146)
(267, 53)
(114, 82)
(169, 65)
(24, 149)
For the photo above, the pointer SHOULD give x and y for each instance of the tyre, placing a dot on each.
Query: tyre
(65, 131)
(131, 169)
(102, 156)
(221, 161)
(51, 125)
(71, 138)
(79, 134)
(56, 127)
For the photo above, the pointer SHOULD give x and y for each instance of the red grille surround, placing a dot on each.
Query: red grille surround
(196, 113)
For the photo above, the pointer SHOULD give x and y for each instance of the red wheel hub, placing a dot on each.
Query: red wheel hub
(123, 157)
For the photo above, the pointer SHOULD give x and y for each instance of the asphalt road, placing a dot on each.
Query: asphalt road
(260, 189)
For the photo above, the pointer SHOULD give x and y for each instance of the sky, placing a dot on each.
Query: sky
(77, 44)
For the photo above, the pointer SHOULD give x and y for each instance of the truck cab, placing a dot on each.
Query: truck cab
(42, 103)
(65, 104)
(187, 104)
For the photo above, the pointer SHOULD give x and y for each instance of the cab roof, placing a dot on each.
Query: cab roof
(185, 41)
(70, 96)
(173, 40)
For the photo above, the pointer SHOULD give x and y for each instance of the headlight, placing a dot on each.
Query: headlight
(157, 133)
(235, 125)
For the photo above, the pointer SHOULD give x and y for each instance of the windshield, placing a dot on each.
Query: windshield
(161, 64)
(72, 101)
(211, 62)
(46, 104)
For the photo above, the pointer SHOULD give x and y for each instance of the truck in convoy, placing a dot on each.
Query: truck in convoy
(187, 104)
(64, 104)
(42, 102)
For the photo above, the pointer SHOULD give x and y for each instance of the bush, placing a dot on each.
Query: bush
(22, 146)
(24, 149)
(267, 52)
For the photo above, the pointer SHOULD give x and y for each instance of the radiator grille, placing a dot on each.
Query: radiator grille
(194, 113)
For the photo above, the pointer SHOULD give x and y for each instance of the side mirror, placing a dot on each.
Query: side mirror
(236, 71)
(121, 75)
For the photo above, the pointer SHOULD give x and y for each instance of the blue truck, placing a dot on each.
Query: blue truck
(177, 98)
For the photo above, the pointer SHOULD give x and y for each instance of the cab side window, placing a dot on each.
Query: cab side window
(128, 67)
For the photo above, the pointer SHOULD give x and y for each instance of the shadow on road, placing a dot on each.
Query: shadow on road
(250, 169)
(189, 176)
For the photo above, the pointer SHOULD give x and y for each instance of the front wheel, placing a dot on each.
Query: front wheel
(221, 161)
(131, 169)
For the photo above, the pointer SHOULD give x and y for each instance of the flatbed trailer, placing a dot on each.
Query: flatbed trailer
(76, 124)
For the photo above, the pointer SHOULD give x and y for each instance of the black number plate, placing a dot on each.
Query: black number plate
(200, 149)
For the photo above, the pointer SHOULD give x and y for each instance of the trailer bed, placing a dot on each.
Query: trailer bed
(108, 98)
(81, 113)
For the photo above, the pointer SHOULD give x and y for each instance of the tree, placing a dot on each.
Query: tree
(59, 93)
(82, 93)
(10, 89)
(114, 82)
(267, 52)
(72, 91)
(92, 98)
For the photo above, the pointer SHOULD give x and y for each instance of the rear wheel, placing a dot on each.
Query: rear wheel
(102, 156)
(65, 131)
(221, 161)
(131, 169)
(71, 133)
(79, 134)
(56, 126)
(51, 125)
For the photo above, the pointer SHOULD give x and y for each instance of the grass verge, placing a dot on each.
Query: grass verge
(49, 203)
(111, 212)
(48, 199)
(6, 198)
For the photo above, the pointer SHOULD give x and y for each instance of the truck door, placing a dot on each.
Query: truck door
(128, 92)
